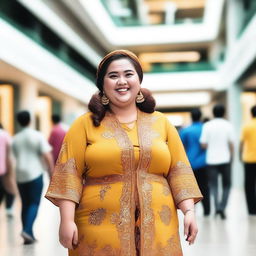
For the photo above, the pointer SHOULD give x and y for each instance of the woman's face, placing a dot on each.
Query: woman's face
(121, 83)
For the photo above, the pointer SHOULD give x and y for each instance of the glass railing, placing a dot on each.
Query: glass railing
(181, 67)
(59, 48)
(133, 20)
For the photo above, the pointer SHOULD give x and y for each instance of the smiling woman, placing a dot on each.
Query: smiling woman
(122, 172)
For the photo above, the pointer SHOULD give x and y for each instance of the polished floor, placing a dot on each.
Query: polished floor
(235, 236)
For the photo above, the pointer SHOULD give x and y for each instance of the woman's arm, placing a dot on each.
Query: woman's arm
(190, 226)
(68, 233)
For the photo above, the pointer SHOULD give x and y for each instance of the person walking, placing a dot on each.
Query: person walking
(122, 172)
(218, 139)
(32, 152)
(197, 155)
(56, 136)
(248, 156)
(7, 179)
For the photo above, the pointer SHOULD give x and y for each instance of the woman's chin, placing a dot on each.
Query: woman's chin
(124, 102)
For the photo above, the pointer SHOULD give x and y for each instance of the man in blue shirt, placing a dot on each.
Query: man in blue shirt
(197, 155)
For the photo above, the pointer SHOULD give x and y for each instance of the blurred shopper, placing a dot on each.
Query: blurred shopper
(205, 120)
(7, 178)
(57, 135)
(248, 156)
(133, 167)
(218, 139)
(197, 155)
(30, 149)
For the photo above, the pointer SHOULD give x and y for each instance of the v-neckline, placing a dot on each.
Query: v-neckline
(127, 128)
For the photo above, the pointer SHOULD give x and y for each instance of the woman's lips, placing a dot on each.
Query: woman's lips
(122, 89)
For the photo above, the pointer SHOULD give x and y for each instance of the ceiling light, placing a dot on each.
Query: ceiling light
(167, 57)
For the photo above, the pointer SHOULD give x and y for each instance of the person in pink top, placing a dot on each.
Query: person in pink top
(57, 135)
(7, 180)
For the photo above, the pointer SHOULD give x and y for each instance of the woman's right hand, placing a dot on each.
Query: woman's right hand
(68, 234)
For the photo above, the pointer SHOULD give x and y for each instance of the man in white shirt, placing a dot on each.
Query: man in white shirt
(33, 154)
(217, 138)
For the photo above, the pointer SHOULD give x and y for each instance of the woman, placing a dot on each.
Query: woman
(8, 188)
(122, 172)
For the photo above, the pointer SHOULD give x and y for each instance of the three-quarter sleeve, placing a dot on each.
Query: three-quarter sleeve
(67, 179)
(181, 177)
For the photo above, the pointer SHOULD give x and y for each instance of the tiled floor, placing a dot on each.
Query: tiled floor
(235, 236)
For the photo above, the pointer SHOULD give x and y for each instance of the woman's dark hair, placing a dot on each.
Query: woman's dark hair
(96, 107)
(253, 111)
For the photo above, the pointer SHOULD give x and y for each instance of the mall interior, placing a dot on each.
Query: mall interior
(194, 53)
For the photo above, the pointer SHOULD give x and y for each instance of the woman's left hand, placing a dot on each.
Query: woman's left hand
(190, 226)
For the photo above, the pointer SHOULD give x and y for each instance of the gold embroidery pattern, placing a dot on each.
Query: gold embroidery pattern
(180, 168)
(166, 191)
(97, 216)
(165, 214)
(103, 191)
(147, 219)
(63, 150)
(124, 220)
(146, 136)
(107, 135)
(65, 182)
(85, 249)
(183, 183)
(172, 248)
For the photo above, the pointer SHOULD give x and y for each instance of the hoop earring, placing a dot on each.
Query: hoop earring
(140, 98)
(104, 100)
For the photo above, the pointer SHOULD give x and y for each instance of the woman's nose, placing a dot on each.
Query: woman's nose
(121, 80)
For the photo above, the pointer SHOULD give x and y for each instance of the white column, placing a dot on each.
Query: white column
(28, 99)
(234, 114)
(234, 20)
(72, 109)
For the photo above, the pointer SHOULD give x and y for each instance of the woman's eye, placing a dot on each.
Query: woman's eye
(113, 76)
(129, 74)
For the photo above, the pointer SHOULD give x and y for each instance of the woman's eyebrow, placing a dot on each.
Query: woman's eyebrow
(116, 72)
(112, 72)
(129, 70)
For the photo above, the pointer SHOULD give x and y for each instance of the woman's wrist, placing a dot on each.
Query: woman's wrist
(189, 210)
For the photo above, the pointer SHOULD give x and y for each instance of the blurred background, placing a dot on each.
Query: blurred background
(195, 53)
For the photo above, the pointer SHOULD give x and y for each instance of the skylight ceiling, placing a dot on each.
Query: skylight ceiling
(154, 12)
(174, 11)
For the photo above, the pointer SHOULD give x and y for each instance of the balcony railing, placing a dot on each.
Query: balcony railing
(33, 28)
(133, 19)
(181, 67)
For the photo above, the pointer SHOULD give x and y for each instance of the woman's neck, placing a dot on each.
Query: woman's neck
(125, 115)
